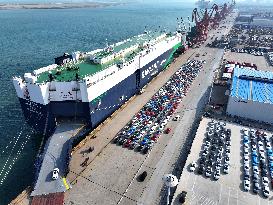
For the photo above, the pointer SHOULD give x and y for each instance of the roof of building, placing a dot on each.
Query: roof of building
(253, 85)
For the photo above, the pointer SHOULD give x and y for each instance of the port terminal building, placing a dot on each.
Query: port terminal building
(251, 95)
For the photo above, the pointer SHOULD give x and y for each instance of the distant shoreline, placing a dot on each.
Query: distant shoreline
(56, 5)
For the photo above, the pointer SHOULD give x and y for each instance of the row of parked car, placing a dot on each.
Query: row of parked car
(270, 58)
(257, 151)
(144, 130)
(255, 52)
(215, 154)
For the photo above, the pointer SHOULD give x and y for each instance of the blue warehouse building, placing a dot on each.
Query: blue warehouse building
(251, 95)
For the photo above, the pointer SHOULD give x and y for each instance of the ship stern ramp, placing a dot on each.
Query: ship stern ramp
(56, 155)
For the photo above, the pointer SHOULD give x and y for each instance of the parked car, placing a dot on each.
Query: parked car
(192, 166)
(55, 173)
(168, 130)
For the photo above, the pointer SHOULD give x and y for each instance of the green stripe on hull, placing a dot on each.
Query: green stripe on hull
(170, 59)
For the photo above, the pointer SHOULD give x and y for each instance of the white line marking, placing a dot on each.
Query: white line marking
(194, 180)
(192, 198)
(237, 197)
(204, 202)
(220, 195)
(228, 194)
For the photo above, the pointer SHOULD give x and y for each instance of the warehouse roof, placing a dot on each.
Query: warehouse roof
(250, 84)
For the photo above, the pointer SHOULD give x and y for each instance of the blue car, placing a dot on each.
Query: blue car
(144, 142)
(246, 140)
(254, 154)
(269, 152)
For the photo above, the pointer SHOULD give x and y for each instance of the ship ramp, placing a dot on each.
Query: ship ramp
(55, 155)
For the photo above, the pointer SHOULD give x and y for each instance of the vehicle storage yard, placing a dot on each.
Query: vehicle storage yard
(229, 189)
(111, 174)
(260, 61)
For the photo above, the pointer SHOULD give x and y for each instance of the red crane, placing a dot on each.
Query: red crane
(217, 17)
(202, 24)
(207, 20)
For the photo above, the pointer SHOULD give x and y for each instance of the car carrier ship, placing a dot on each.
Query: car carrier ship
(92, 85)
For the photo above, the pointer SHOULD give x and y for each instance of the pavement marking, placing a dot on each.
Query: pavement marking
(237, 196)
(104, 187)
(228, 194)
(193, 182)
(192, 198)
(124, 193)
(205, 201)
(220, 195)
(65, 183)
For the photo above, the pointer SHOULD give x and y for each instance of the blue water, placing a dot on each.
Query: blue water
(30, 39)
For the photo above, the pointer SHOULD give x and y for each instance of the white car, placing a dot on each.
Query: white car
(246, 146)
(226, 169)
(176, 118)
(55, 173)
(216, 175)
(246, 185)
(268, 146)
(246, 152)
(265, 181)
(245, 131)
(246, 159)
(246, 168)
(192, 166)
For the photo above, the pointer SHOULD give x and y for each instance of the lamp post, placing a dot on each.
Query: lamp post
(170, 181)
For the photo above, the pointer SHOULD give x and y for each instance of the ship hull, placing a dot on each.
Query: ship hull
(43, 118)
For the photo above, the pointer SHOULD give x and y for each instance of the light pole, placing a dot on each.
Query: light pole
(170, 181)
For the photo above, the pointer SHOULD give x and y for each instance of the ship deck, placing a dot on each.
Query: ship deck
(68, 72)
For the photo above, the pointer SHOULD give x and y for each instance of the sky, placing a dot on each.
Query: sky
(259, 2)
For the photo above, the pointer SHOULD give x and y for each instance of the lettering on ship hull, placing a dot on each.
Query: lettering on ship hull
(153, 69)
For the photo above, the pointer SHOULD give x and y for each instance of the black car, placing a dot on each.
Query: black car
(209, 163)
(139, 148)
(228, 131)
(145, 150)
(201, 170)
(142, 176)
(213, 148)
(182, 197)
(264, 173)
(116, 139)
(121, 141)
(255, 190)
(202, 159)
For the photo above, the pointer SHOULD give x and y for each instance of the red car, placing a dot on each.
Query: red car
(155, 139)
(127, 144)
(168, 130)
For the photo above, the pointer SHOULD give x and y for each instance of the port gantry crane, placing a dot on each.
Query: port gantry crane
(207, 20)
(202, 24)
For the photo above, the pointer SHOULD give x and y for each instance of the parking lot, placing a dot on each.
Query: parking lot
(144, 130)
(229, 188)
(260, 61)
